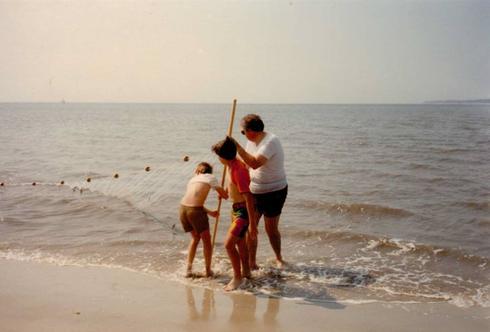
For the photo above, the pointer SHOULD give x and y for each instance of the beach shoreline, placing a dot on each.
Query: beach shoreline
(44, 297)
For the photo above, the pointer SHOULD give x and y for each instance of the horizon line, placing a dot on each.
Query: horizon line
(433, 102)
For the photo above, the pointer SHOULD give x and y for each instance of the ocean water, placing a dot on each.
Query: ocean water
(387, 203)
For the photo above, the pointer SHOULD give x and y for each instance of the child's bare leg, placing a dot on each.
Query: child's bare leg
(230, 245)
(243, 251)
(207, 249)
(192, 252)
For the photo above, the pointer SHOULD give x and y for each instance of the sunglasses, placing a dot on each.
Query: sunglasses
(243, 132)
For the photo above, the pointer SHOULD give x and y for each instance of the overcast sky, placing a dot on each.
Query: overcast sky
(258, 52)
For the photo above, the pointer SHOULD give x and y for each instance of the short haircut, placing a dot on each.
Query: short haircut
(252, 122)
(204, 167)
(226, 149)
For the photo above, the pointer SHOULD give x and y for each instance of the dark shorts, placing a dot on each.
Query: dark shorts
(271, 204)
(239, 220)
(194, 218)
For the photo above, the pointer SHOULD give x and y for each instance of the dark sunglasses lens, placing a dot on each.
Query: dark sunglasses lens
(243, 132)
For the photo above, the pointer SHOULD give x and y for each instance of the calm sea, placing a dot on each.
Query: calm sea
(387, 203)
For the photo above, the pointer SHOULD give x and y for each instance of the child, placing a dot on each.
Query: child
(243, 212)
(194, 216)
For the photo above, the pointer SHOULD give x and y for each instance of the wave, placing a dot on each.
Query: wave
(484, 222)
(355, 209)
(383, 244)
(418, 166)
(133, 243)
(298, 282)
(451, 150)
(55, 195)
(479, 206)
(305, 280)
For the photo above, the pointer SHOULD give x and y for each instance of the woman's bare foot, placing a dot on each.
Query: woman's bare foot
(233, 284)
(254, 267)
(209, 274)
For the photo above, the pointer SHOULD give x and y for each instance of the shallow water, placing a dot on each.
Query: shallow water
(386, 202)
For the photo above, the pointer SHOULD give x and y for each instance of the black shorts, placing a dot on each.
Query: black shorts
(271, 204)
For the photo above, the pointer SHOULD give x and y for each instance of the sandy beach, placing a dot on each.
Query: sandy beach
(44, 297)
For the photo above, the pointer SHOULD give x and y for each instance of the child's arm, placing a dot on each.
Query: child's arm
(212, 213)
(249, 201)
(222, 192)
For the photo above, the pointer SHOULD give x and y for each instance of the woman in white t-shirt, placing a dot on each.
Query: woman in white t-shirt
(265, 157)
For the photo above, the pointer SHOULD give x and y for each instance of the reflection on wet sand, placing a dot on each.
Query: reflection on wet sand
(245, 307)
(242, 314)
(270, 315)
(207, 307)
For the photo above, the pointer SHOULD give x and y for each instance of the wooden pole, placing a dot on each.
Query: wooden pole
(230, 130)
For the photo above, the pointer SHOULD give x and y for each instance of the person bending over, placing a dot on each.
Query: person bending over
(194, 216)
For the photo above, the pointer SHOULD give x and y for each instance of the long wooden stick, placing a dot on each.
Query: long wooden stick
(230, 130)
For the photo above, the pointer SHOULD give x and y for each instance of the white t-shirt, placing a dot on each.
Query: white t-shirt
(204, 178)
(197, 191)
(271, 176)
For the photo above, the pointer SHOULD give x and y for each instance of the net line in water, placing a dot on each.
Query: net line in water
(151, 189)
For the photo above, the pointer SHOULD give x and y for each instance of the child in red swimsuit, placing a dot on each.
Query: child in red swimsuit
(242, 215)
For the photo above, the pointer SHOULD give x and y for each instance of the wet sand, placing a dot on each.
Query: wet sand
(44, 297)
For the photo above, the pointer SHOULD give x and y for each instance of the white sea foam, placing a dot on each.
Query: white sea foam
(461, 302)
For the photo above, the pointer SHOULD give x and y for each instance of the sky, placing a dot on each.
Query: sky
(370, 51)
